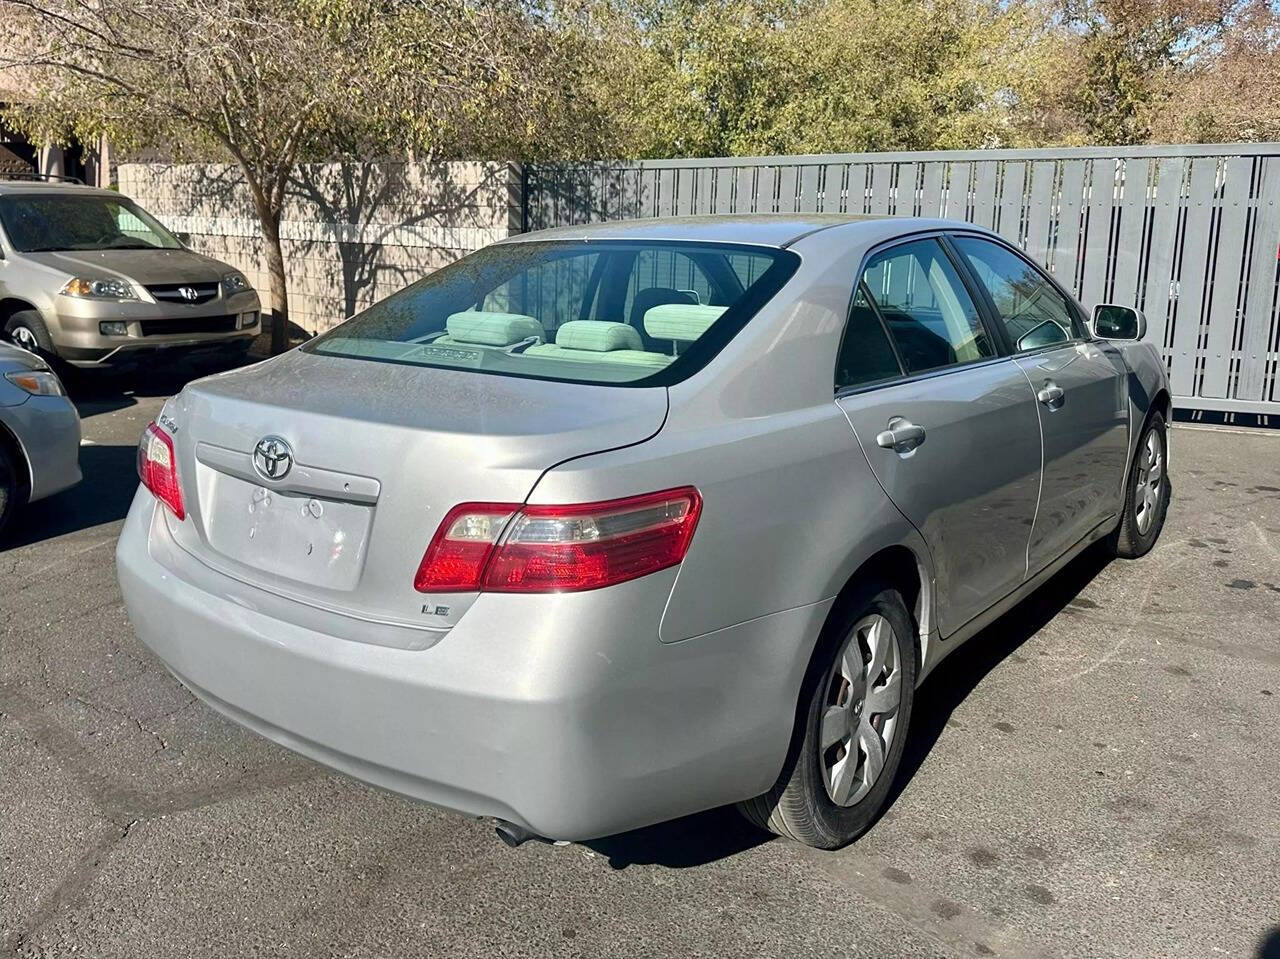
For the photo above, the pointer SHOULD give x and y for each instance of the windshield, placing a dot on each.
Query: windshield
(636, 313)
(44, 222)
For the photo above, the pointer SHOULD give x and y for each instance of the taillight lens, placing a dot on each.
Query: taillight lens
(505, 548)
(456, 558)
(158, 468)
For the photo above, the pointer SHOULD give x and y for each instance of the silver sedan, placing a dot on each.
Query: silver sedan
(607, 525)
(39, 433)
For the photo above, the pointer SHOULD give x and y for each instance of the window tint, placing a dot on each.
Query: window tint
(1032, 310)
(865, 352)
(929, 312)
(604, 311)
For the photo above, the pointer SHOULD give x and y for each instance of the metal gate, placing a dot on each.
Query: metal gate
(1189, 234)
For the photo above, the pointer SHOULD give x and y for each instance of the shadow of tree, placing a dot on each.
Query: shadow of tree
(352, 232)
(372, 208)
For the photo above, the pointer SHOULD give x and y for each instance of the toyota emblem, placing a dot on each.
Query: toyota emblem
(272, 458)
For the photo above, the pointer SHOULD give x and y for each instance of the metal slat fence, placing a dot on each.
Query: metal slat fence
(1189, 234)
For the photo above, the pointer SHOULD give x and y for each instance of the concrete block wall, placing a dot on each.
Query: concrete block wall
(352, 233)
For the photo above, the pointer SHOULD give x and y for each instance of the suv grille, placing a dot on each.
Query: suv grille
(196, 324)
(180, 292)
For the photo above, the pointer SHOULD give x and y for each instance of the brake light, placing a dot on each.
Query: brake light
(158, 468)
(508, 548)
(456, 558)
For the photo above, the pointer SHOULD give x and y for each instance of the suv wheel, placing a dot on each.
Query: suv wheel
(855, 714)
(27, 330)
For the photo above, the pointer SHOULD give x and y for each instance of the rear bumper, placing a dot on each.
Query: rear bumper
(48, 430)
(564, 714)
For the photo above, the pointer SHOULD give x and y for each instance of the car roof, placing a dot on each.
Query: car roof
(28, 187)
(759, 229)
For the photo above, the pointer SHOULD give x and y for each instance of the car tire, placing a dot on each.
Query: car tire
(26, 329)
(819, 799)
(1146, 499)
(10, 490)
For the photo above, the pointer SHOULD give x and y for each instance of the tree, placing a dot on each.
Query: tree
(270, 83)
(1127, 56)
(1230, 91)
(734, 77)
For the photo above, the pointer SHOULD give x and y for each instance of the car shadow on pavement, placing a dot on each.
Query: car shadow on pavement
(103, 496)
(689, 841)
(1269, 945)
(719, 833)
(960, 673)
(105, 391)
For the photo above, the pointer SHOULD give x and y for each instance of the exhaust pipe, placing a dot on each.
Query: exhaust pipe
(514, 835)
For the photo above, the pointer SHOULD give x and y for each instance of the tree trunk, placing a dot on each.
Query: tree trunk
(279, 293)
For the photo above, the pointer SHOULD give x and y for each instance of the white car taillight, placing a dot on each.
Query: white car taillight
(508, 548)
(158, 468)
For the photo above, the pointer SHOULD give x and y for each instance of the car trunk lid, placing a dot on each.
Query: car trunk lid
(376, 455)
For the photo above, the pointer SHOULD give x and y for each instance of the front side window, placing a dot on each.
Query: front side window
(48, 222)
(929, 313)
(1033, 312)
(590, 311)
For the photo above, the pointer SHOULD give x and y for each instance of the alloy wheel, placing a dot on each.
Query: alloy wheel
(23, 337)
(1150, 477)
(864, 690)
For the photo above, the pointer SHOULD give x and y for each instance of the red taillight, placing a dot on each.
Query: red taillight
(455, 560)
(158, 468)
(506, 548)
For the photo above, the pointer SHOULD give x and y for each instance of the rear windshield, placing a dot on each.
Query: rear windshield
(47, 222)
(596, 312)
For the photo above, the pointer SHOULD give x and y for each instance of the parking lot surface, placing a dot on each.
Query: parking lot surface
(1096, 775)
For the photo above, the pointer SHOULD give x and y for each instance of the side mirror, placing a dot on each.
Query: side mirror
(183, 237)
(1113, 322)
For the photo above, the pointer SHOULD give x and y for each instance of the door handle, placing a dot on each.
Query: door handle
(903, 436)
(1051, 396)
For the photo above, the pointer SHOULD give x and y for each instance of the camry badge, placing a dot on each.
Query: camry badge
(272, 458)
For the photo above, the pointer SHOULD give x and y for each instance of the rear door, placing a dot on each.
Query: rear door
(1081, 389)
(947, 424)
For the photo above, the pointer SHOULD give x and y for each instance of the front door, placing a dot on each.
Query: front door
(1081, 393)
(955, 440)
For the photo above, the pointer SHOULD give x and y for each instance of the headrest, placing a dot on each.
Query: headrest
(683, 322)
(653, 296)
(491, 329)
(598, 336)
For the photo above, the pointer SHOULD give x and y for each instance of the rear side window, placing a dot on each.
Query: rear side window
(865, 352)
(1033, 312)
(587, 311)
(930, 315)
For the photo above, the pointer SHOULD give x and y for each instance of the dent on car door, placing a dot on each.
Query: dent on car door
(949, 427)
(1081, 392)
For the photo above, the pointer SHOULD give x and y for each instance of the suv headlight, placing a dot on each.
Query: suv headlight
(37, 382)
(234, 283)
(101, 288)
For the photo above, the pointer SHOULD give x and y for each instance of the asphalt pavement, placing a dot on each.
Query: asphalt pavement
(1096, 775)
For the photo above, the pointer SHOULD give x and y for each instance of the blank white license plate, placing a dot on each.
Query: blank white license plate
(320, 542)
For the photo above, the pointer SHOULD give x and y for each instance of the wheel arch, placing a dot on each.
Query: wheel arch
(10, 444)
(9, 305)
(904, 569)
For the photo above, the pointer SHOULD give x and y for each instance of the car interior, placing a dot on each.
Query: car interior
(638, 308)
